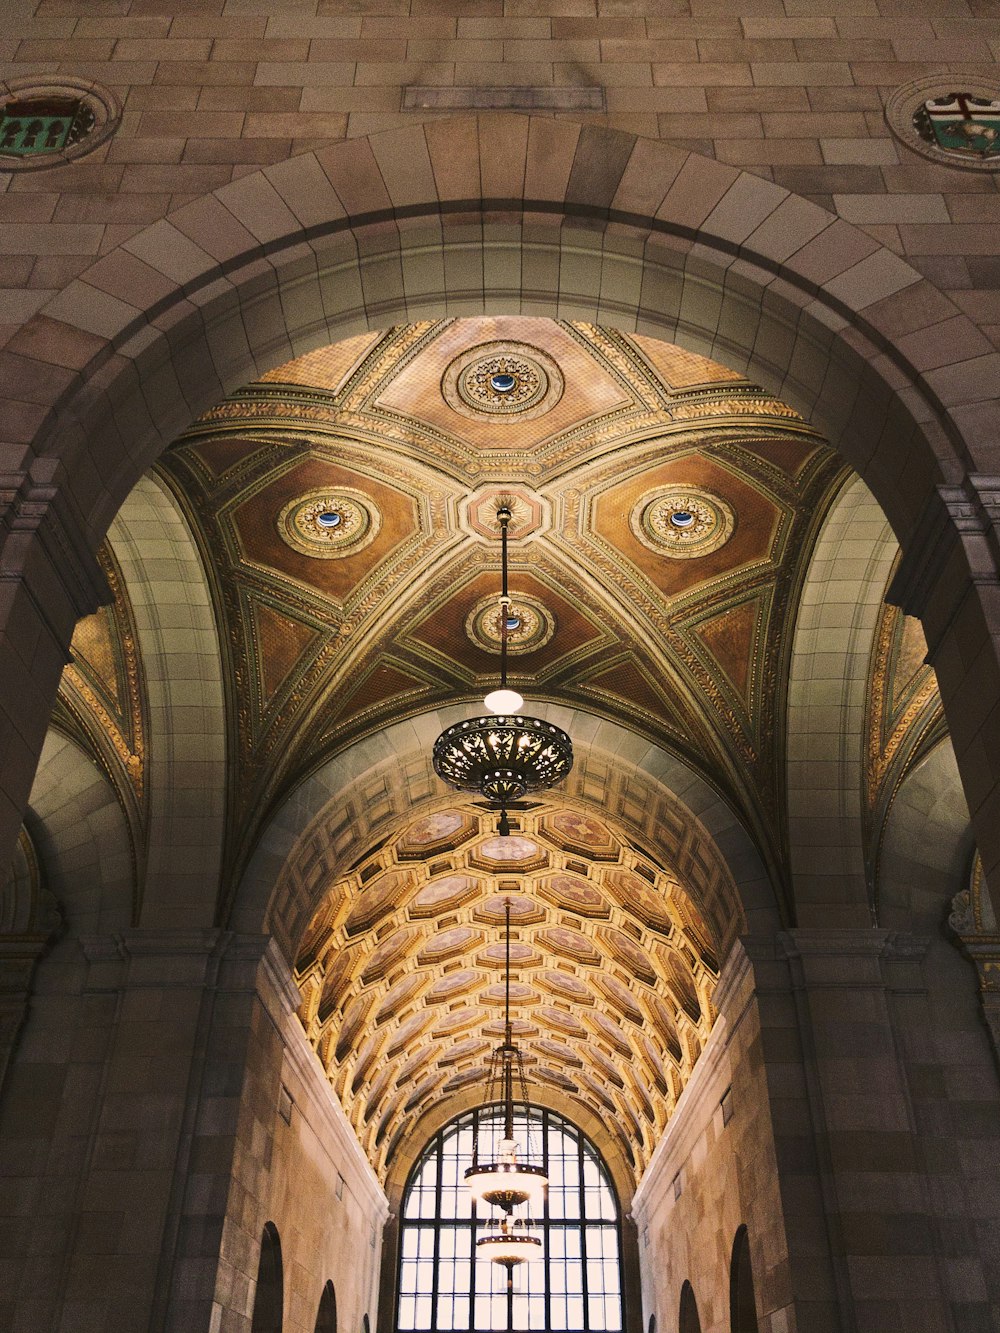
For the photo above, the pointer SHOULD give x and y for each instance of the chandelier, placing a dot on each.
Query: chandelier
(504, 755)
(504, 1181)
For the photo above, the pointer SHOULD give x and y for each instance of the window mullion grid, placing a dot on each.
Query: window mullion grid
(473, 1226)
(583, 1233)
(437, 1229)
(546, 1229)
(567, 1135)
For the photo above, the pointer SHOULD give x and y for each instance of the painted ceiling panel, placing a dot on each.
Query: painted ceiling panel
(657, 498)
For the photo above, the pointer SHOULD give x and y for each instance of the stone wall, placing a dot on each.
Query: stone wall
(715, 1171)
(212, 90)
(847, 1111)
(163, 1107)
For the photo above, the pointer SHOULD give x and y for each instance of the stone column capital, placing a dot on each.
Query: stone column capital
(967, 514)
(39, 519)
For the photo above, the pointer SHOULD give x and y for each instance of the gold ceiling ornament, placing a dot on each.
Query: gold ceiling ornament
(682, 522)
(530, 513)
(502, 379)
(328, 524)
(530, 625)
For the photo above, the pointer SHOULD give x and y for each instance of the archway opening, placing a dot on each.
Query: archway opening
(575, 1287)
(269, 1297)
(688, 1321)
(326, 1315)
(742, 1299)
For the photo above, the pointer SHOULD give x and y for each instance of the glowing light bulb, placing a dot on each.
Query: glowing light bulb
(504, 702)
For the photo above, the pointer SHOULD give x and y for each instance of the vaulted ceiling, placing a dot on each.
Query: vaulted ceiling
(664, 512)
(401, 441)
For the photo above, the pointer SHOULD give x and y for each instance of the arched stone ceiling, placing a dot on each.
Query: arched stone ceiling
(679, 634)
(613, 967)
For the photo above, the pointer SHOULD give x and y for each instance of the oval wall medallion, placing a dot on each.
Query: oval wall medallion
(953, 119)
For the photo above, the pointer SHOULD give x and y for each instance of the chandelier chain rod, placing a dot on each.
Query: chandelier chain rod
(503, 517)
(508, 1057)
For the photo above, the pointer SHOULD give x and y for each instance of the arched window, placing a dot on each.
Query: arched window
(326, 1316)
(688, 1321)
(652, 1324)
(267, 1301)
(742, 1302)
(575, 1287)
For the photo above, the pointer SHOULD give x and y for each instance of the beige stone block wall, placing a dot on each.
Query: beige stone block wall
(162, 1108)
(213, 89)
(296, 1164)
(716, 1170)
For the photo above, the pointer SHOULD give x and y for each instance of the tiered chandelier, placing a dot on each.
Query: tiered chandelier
(503, 1181)
(504, 755)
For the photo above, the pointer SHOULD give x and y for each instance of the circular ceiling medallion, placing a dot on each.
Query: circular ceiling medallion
(329, 524)
(682, 522)
(45, 122)
(529, 624)
(950, 118)
(502, 379)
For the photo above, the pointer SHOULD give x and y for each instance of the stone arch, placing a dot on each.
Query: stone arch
(827, 702)
(81, 834)
(928, 845)
(625, 230)
(268, 1301)
(268, 266)
(366, 790)
(186, 761)
(742, 1298)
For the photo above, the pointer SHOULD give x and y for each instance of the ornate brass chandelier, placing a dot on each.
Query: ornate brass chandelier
(503, 1181)
(504, 755)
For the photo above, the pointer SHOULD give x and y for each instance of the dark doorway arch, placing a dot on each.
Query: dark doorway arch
(742, 1301)
(652, 1324)
(326, 1315)
(688, 1321)
(269, 1297)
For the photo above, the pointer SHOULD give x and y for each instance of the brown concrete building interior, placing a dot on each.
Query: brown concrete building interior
(251, 944)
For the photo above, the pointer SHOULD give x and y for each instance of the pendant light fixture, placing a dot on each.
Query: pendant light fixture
(503, 1180)
(504, 755)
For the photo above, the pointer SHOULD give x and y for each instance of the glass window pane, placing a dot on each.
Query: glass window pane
(437, 1265)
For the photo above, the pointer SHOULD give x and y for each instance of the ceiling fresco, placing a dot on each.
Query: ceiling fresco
(664, 510)
(612, 964)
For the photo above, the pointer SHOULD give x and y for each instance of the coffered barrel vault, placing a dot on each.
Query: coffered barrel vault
(614, 967)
